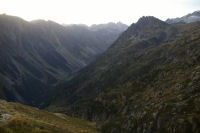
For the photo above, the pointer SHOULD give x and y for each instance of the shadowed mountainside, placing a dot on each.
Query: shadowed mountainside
(37, 55)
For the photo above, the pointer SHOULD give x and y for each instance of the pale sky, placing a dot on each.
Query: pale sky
(97, 11)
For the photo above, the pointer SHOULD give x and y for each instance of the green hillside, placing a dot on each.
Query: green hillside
(18, 118)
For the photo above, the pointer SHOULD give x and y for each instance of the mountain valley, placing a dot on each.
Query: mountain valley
(107, 78)
(37, 55)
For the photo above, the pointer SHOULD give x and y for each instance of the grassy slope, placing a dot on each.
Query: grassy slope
(25, 119)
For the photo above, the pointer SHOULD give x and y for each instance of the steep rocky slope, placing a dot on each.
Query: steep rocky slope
(147, 81)
(34, 56)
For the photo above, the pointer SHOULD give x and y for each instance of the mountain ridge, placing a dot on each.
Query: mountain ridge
(132, 86)
(37, 55)
(191, 17)
(147, 81)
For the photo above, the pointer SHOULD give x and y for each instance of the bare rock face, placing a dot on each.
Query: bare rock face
(5, 117)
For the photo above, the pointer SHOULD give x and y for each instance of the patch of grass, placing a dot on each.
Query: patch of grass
(25, 119)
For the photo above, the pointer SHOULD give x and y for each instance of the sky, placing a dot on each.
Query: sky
(97, 11)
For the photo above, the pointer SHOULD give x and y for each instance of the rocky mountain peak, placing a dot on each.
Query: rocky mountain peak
(196, 13)
(149, 20)
(145, 26)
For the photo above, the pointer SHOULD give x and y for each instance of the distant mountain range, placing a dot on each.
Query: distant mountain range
(192, 17)
(37, 55)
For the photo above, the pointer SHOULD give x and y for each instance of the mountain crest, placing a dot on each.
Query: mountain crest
(191, 17)
(149, 20)
(196, 13)
(145, 27)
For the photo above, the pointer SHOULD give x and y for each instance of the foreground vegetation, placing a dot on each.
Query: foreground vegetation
(18, 118)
